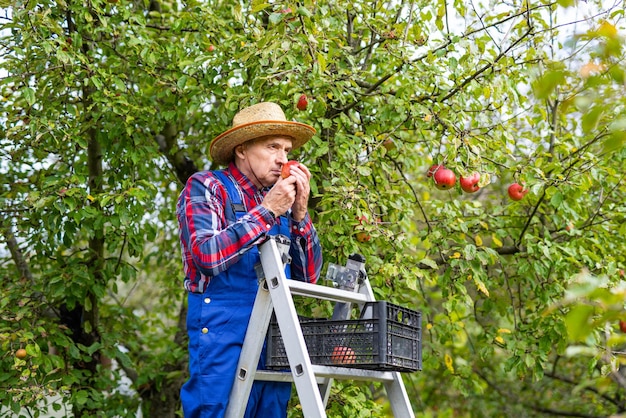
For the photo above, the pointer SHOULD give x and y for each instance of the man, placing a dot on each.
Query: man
(223, 216)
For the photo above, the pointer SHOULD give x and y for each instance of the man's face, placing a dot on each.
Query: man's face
(261, 159)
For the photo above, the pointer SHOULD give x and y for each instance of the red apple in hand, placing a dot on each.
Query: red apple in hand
(286, 170)
(303, 102)
(470, 184)
(444, 178)
(517, 191)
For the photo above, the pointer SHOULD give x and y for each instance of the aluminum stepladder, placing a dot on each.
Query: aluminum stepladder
(313, 382)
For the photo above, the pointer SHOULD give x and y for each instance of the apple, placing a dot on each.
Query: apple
(622, 325)
(363, 236)
(343, 355)
(20, 353)
(470, 184)
(211, 48)
(517, 191)
(303, 102)
(389, 144)
(286, 169)
(433, 169)
(569, 227)
(444, 178)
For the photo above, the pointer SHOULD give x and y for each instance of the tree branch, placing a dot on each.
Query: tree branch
(16, 253)
(443, 260)
(486, 67)
(587, 388)
(530, 218)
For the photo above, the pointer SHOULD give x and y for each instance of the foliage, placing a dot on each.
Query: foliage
(108, 106)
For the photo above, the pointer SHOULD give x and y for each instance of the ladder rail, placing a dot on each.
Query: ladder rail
(322, 372)
(326, 293)
(250, 353)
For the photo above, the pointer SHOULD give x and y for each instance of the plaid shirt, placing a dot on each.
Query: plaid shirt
(210, 245)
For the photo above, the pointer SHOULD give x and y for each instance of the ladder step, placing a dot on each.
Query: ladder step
(329, 371)
(326, 292)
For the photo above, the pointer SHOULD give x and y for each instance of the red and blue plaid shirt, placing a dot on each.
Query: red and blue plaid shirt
(210, 245)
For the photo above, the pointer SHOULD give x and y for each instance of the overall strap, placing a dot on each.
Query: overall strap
(236, 205)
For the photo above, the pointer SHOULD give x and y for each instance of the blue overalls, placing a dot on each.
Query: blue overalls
(216, 323)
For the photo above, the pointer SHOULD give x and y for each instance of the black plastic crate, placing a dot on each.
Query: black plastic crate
(387, 337)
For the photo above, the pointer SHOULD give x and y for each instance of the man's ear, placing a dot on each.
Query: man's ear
(240, 151)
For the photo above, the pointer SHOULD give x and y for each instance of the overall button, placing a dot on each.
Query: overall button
(207, 300)
(205, 330)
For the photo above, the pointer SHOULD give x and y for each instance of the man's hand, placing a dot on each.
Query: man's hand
(291, 192)
(303, 190)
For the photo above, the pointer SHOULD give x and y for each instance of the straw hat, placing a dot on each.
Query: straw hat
(256, 121)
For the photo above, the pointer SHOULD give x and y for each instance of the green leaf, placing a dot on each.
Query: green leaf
(276, 18)
(566, 3)
(429, 262)
(257, 6)
(556, 199)
(615, 141)
(469, 253)
(364, 170)
(578, 322)
(546, 85)
(29, 95)
(590, 119)
(303, 11)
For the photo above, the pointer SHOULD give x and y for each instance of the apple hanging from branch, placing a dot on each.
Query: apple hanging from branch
(303, 102)
(517, 191)
(444, 178)
(433, 169)
(21, 353)
(363, 236)
(469, 184)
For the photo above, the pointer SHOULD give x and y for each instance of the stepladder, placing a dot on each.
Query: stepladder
(274, 308)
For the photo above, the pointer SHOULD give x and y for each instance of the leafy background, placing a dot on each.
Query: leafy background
(108, 106)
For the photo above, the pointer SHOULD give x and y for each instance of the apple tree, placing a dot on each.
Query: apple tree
(109, 106)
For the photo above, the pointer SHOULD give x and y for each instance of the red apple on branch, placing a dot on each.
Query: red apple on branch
(363, 236)
(444, 178)
(469, 184)
(433, 168)
(303, 102)
(517, 191)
